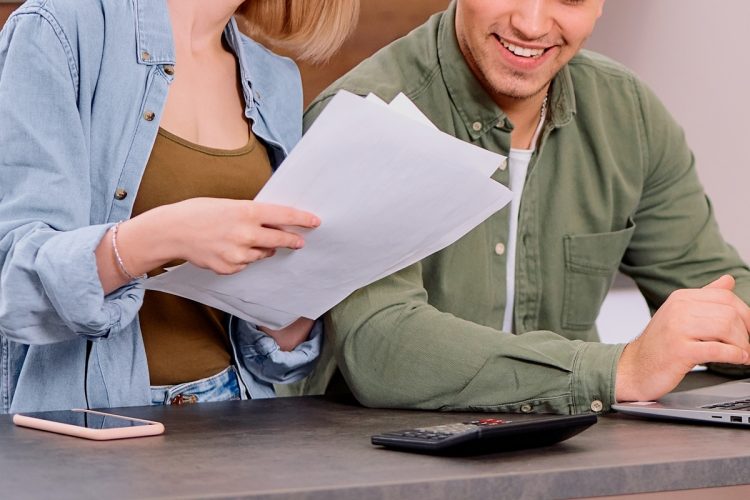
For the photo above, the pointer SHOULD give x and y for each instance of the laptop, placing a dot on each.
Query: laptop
(727, 403)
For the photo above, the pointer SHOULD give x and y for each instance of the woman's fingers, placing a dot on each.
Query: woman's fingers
(276, 215)
(227, 235)
(266, 237)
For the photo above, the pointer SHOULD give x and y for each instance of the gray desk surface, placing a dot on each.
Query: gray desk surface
(311, 448)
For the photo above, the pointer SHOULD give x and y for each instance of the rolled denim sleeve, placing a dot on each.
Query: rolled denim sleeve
(265, 360)
(49, 285)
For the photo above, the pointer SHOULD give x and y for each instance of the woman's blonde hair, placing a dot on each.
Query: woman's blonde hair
(311, 30)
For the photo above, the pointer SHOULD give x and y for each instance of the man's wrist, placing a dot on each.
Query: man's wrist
(624, 382)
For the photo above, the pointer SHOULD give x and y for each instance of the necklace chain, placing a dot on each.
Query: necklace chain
(542, 117)
(544, 106)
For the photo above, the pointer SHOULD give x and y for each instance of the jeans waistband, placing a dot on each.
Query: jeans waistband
(224, 386)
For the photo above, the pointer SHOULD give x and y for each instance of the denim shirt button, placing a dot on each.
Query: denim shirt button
(149, 116)
(145, 56)
(169, 70)
(120, 194)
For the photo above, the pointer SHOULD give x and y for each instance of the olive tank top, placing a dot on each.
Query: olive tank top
(185, 340)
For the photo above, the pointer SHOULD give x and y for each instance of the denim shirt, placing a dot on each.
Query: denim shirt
(82, 88)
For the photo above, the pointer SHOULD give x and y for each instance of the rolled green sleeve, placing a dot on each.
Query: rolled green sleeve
(594, 377)
(396, 350)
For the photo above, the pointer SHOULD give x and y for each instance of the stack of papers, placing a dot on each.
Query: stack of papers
(389, 188)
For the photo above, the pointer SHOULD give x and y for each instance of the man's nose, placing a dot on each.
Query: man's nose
(531, 19)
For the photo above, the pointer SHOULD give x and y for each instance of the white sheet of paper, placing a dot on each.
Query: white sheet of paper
(405, 106)
(389, 191)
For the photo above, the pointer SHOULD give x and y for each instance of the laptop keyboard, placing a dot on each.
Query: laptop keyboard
(740, 404)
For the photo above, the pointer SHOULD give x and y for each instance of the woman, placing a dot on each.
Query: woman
(138, 112)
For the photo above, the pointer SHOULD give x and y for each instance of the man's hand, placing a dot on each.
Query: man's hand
(692, 327)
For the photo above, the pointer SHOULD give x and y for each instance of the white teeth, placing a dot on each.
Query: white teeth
(521, 51)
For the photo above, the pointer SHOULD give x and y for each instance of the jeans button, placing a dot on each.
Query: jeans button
(182, 399)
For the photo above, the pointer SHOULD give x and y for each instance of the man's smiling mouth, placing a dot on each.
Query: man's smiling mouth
(521, 51)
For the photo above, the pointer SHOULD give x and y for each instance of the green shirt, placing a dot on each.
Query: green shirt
(612, 184)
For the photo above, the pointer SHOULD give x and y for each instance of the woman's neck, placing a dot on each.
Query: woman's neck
(197, 25)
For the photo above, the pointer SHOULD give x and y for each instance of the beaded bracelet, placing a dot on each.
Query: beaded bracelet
(120, 263)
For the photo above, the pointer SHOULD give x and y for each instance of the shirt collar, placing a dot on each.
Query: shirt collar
(155, 42)
(154, 32)
(476, 108)
(234, 40)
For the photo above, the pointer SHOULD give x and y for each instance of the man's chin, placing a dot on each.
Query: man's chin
(520, 92)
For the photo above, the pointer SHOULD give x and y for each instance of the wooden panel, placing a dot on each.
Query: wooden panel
(5, 10)
(381, 22)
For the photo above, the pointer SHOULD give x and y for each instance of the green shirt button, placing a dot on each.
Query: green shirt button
(526, 408)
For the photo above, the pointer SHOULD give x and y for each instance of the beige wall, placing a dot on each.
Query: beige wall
(693, 54)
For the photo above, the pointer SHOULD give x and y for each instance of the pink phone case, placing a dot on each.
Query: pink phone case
(152, 429)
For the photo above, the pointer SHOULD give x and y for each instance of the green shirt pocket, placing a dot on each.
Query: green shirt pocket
(591, 261)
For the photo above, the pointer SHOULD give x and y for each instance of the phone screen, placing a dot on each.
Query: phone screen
(89, 420)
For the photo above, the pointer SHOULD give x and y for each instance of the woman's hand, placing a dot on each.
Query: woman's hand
(293, 335)
(227, 235)
(212, 233)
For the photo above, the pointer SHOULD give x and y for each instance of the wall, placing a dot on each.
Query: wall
(693, 54)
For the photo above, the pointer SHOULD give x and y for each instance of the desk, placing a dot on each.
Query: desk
(313, 448)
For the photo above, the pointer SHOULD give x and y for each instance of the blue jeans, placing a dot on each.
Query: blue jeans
(224, 386)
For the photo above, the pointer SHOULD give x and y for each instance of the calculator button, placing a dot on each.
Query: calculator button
(449, 430)
(491, 421)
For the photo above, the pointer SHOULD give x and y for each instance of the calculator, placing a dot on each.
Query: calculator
(487, 435)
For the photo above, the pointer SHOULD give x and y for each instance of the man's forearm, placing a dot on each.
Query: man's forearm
(395, 350)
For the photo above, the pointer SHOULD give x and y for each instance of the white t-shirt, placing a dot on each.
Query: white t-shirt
(518, 165)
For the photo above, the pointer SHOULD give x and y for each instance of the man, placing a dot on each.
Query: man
(504, 318)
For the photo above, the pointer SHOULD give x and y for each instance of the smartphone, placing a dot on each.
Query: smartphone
(89, 424)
